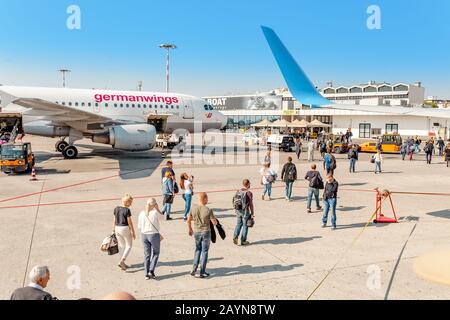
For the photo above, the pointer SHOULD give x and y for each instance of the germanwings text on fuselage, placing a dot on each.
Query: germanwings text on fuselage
(132, 98)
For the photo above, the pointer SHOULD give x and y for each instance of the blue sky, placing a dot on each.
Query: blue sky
(221, 48)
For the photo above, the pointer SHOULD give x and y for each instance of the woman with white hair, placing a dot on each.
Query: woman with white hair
(149, 225)
(124, 229)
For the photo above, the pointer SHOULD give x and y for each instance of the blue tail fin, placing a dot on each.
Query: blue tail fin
(300, 86)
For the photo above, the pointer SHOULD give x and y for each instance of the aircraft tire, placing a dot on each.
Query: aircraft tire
(70, 152)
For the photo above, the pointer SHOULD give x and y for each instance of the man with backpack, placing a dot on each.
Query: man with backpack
(245, 212)
(353, 157)
(429, 149)
(289, 176)
(315, 184)
(329, 162)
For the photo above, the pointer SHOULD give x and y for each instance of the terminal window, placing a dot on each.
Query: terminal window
(364, 130)
(391, 127)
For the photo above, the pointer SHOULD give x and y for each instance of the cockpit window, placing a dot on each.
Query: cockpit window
(211, 108)
(206, 107)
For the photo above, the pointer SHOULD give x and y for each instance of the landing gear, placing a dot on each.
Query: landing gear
(70, 152)
(61, 145)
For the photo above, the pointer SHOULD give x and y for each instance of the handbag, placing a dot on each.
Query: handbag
(110, 245)
(168, 198)
(251, 223)
(161, 238)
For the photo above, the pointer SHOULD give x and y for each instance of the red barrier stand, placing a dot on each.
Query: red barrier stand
(380, 197)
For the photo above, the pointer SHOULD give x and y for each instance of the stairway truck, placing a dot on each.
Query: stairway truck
(10, 127)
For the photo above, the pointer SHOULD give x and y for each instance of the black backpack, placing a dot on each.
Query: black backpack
(291, 172)
(316, 182)
(239, 201)
(333, 164)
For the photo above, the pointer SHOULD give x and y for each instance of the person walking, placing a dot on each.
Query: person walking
(123, 228)
(417, 143)
(378, 159)
(329, 162)
(298, 148)
(289, 176)
(353, 157)
(412, 149)
(330, 201)
(404, 150)
(315, 184)
(311, 145)
(323, 149)
(168, 194)
(187, 185)
(201, 217)
(268, 157)
(245, 210)
(39, 277)
(441, 146)
(268, 177)
(429, 149)
(447, 154)
(149, 225)
(167, 167)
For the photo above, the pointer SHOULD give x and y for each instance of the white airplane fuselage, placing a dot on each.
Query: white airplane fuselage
(180, 111)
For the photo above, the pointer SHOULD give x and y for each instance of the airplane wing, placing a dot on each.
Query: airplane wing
(58, 112)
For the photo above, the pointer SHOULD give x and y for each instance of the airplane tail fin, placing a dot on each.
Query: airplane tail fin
(298, 82)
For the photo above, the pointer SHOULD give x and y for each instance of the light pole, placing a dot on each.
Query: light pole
(64, 71)
(167, 46)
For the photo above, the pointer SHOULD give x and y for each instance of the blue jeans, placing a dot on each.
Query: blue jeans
(289, 186)
(377, 166)
(202, 242)
(330, 203)
(267, 189)
(242, 218)
(311, 192)
(352, 164)
(167, 209)
(152, 244)
(188, 201)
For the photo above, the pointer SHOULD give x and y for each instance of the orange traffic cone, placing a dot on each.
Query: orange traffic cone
(33, 175)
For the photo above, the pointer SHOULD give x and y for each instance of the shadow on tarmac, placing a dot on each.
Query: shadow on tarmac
(285, 241)
(440, 214)
(248, 269)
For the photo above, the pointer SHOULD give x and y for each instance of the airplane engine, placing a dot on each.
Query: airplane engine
(46, 129)
(132, 137)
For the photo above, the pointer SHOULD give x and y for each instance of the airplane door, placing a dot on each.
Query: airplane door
(188, 109)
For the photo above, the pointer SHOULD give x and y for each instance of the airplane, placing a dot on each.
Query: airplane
(127, 120)
(305, 92)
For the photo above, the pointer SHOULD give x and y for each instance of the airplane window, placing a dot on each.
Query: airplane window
(139, 106)
(206, 107)
(70, 103)
(132, 105)
(178, 107)
(76, 104)
(144, 106)
(115, 105)
(211, 108)
(128, 105)
(106, 105)
(82, 104)
(55, 102)
(161, 106)
(89, 104)
(172, 107)
(167, 107)
(96, 104)
(63, 103)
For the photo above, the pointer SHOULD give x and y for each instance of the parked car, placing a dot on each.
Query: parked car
(281, 142)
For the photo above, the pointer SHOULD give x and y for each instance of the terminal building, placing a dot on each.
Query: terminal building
(244, 110)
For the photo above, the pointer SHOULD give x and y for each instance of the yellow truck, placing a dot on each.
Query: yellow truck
(16, 157)
(390, 143)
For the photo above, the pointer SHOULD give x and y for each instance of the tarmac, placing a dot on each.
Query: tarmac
(61, 219)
